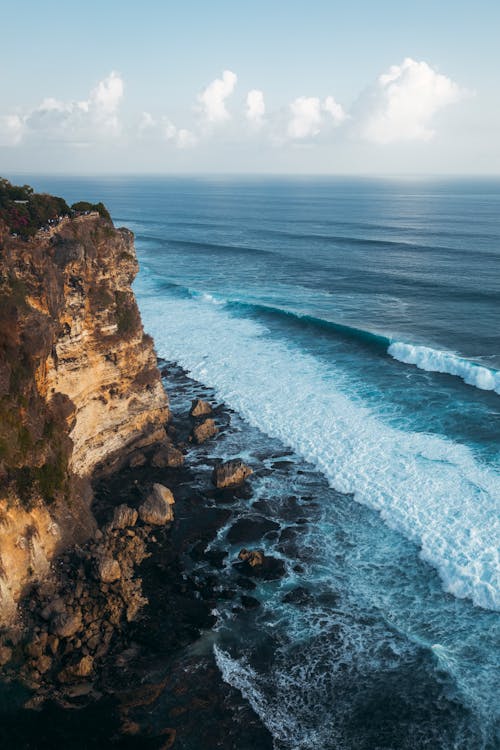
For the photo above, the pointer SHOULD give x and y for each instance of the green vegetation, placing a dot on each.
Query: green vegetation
(25, 211)
(82, 207)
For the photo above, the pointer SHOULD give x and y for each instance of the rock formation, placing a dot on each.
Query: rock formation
(80, 391)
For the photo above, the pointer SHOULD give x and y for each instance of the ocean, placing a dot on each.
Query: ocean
(354, 322)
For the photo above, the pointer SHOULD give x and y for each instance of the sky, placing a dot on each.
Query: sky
(275, 87)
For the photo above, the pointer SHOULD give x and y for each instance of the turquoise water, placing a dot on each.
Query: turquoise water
(355, 321)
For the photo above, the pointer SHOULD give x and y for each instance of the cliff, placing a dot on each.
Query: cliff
(80, 391)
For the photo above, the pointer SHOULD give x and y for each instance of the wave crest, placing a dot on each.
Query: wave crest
(434, 360)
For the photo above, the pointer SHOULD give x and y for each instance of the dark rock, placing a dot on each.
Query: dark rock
(168, 457)
(230, 473)
(246, 583)
(250, 529)
(66, 625)
(249, 602)
(138, 459)
(299, 596)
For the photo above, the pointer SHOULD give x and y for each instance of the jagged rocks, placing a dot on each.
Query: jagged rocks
(168, 457)
(157, 509)
(203, 431)
(250, 529)
(200, 408)
(256, 564)
(230, 473)
(67, 624)
(124, 516)
(108, 570)
(254, 557)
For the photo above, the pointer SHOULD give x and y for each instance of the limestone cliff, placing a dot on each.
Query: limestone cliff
(79, 387)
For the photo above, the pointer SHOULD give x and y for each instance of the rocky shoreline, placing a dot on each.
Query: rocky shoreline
(115, 646)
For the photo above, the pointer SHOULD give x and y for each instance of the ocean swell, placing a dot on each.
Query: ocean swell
(433, 360)
(430, 489)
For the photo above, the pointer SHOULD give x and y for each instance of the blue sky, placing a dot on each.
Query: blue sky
(359, 87)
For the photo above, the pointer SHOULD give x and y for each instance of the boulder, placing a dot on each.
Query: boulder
(5, 655)
(124, 516)
(199, 408)
(203, 431)
(250, 529)
(157, 509)
(230, 473)
(108, 570)
(167, 457)
(66, 624)
(254, 557)
(138, 459)
(256, 563)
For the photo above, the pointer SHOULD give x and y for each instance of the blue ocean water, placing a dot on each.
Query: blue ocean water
(356, 321)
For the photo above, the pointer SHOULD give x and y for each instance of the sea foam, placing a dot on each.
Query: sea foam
(434, 360)
(430, 489)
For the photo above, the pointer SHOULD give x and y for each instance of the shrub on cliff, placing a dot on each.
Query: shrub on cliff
(25, 211)
(82, 207)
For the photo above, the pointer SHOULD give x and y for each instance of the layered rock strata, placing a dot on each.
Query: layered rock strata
(80, 391)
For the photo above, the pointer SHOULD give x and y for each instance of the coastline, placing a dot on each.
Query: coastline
(158, 685)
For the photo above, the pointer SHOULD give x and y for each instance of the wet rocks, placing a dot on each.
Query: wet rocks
(256, 564)
(203, 431)
(199, 408)
(254, 557)
(157, 509)
(250, 529)
(230, 473)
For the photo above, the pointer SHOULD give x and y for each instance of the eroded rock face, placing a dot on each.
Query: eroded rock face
(124, 516)
(230, 473)
(158, 508)
(80, 389)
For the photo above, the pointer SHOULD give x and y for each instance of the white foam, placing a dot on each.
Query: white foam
(429, 488)
(433, 360)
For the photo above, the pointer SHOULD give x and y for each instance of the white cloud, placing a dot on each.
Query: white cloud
(212, 99)
(181, 137)
(11, 130)
(402, 103)
(334, 109)
(256, 107)
(147, 122)
(307, 116)
(76, 122)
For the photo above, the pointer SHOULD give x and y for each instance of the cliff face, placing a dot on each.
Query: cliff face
(79, 387)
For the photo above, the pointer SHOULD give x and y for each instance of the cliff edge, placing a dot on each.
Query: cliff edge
(80, 391)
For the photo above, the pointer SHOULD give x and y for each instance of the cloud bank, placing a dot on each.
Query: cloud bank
(401, 105)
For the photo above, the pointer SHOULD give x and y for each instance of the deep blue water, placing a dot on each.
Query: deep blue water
(356, 321)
